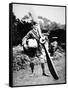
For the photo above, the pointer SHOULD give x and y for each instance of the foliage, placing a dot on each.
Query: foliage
(20, 28)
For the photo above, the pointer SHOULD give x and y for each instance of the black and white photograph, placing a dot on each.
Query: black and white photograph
(37, 39)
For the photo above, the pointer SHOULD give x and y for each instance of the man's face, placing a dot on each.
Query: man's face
(29, 20)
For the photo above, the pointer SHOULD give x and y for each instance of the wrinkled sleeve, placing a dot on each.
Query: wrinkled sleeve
(25, 38)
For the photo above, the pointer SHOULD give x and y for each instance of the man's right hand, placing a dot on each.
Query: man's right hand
(42, 40)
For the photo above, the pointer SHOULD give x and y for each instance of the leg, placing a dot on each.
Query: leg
(43, 69)
(32, 66)
(43, 65)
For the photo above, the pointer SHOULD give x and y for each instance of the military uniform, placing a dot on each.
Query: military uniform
(31, 51)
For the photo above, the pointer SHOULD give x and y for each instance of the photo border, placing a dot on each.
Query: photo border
(10, 44)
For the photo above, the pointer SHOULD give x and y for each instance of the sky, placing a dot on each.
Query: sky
(52, 13)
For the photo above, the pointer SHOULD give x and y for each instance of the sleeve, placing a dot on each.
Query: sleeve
(26, 38)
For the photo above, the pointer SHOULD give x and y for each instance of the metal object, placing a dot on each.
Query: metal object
(50, 63)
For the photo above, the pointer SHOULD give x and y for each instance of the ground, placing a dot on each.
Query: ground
(25, 76)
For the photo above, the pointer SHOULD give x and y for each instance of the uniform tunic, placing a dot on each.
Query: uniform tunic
(32, 51)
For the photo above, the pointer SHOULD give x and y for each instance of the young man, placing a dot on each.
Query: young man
(31, 44)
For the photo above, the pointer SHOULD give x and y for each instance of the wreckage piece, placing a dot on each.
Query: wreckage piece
(51, 65)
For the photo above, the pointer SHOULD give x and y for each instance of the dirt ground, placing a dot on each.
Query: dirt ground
(25, 77)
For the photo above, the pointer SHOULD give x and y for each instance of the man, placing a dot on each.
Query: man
(31, 43)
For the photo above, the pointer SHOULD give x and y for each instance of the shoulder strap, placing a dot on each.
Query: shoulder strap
(35, 33)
